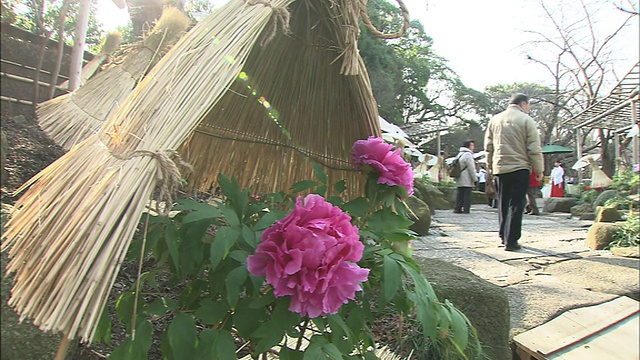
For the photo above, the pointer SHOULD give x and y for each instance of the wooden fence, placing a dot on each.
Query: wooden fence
(18, 63)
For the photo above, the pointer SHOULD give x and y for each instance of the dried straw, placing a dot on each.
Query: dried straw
(110, 45)
(323, 111)
(71, 118)
(71, 228)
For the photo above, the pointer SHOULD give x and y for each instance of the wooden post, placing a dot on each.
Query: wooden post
(579, 152)
(63, 348)
(634, 122)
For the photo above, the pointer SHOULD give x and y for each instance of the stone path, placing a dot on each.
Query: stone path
(555, 271)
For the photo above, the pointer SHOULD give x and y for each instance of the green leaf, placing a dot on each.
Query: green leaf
(321, 349)
(229, 215)
(124, 307)
(215, 344)
(191, 255)
(103, 331)
(160, 306)
(321, 190)
(224, 240)
(386, 221)
(211, 312)
(239, 255)
(135, 349)
(238, 198)
(340, 186)
(269, 335)
(290, 354)
(197, 211)
(172, 239)
(144, 336)
(391, 278)
(303, 185)
(246, 320)
(320, 174)
(249, 236)
(459, 328)
(234, 282)
(268, 219)
(357, 207)
(182, 336)
(335, 200)
(263, 301)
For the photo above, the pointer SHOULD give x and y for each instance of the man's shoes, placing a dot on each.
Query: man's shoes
(532, 213)
(457, 212)
(515, 247)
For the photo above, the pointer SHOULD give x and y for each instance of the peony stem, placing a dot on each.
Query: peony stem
(303, 330)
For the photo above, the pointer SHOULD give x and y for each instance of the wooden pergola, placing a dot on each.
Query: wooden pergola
(424, 129)
(618, 111)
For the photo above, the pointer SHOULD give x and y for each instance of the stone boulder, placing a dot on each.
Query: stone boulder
(600, 235)
(587, 216)
(603, 197)
(431, 195)
(421, 210)
(629, 251)
(555, 204)
(449, 193)
(478, 197)
(607, 214)
(485, 304)
(577, 210)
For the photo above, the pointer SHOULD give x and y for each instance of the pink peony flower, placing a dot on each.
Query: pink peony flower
(310, 255)
(389, 164)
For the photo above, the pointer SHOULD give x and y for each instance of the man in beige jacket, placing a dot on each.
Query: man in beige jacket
(512, 144)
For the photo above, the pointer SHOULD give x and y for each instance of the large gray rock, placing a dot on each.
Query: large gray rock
(603, 197)
(555, 204)
(577, 210)
(600, 235)
(485, 304)
(629, 251)
(478, 197)
(421, 210)
(431, 195)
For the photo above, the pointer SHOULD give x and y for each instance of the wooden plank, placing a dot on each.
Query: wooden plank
(576, 325)
(619, 342)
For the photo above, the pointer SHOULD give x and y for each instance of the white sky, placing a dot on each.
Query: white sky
(480, 39)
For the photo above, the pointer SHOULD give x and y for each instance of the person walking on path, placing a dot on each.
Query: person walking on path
(467, 179)
(513, 148)
(557, 180)
(534, 183)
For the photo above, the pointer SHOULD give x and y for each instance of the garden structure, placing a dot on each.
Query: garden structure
(618, 111)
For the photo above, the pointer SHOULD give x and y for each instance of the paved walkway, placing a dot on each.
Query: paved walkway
(554, 271)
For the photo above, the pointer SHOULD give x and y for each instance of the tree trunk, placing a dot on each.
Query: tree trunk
(77, 53)
(44, 38)
(56, 69)
(608, 164)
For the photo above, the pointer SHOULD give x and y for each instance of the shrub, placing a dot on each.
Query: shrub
(249, 273)
(628, 234)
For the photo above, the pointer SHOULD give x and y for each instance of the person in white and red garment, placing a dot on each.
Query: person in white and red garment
(513, 148)
(557, 180)
(467, 179)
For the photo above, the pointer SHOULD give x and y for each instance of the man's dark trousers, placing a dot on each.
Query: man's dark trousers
(512, 190)
(463, 199)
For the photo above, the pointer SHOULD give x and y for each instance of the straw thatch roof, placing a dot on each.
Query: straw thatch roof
(72, 227)
(291, 106)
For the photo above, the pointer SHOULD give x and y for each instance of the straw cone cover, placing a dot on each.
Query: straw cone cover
(72, 226)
